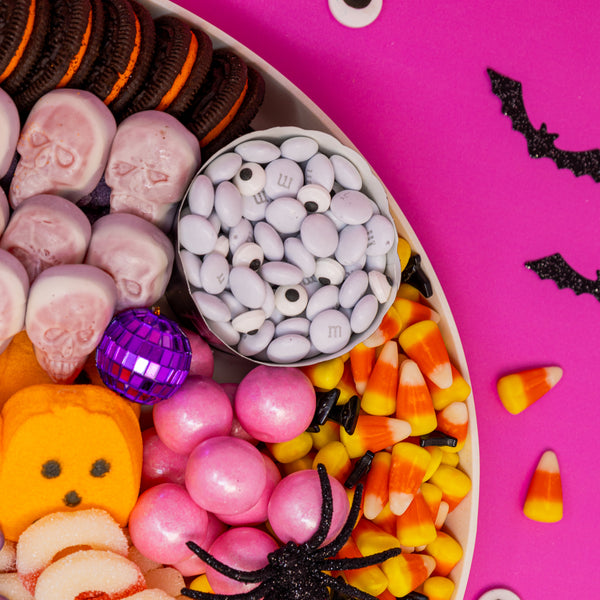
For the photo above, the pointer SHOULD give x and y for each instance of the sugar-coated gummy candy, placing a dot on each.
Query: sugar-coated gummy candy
(198, 410)
(242, 548)
(295, 507)
(164, 518)
(225, 475)
(273, 404)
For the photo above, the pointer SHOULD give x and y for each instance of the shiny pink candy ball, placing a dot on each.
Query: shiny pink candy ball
(163, 520)
(243, 548)
(225, 475)
(294, 509)
(275, 404)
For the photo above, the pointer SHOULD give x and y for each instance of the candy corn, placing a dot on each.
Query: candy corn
(454, 420)
(406, 572)
(446, 551)
(423, 343)
(413, 400)
(390, 326)
(336, 460)
(362, 359)
(415, 526)
(517, 391)
(379, 397)
(368, 579)
(386, 520)
(376, 485)
(346, 384)
(407, 469)
(374, 433)
(411, 312)
(459, 391)
(404, 252)
(454, 483)
(544, 500)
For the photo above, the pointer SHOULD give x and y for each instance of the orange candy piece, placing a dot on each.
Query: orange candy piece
(407, 470)
(376, 486)
(379, 397)
(423, 343)
(544, 502)
(374, 433)
(362, 359)
(517, 391)
(413, 400)
(389, 328)
(412, 312)
(454, 421)
(415, 526)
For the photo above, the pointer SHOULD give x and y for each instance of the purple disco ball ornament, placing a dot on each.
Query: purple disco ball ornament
(143, 356)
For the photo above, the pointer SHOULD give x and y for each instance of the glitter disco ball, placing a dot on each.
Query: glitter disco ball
(143, 356)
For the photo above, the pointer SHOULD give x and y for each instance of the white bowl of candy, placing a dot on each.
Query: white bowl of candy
(287, 247)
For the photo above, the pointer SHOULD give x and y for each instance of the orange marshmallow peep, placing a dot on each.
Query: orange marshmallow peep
(67, 448)
(517, 391)
(544, 500)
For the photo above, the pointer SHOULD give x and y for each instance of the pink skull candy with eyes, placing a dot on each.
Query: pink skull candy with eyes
(63, 146)
(152, 161)
(69, 308)
(136, 253)
(45, 231)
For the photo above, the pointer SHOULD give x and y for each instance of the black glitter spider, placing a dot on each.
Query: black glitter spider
(295, 572)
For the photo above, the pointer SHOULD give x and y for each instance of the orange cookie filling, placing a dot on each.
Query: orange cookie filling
(213, 133)
(182, 76)
(123, 77)
(76, 60)
(26, 36)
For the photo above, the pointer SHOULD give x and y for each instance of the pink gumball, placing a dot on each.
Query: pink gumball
(160, 464)
(198, 410)
(243, 548)
(203, 361)
(192, 566)
(258, 513)
(275, 404)
(236, 429)
(295, 507)
(163, 520)
(225, 475)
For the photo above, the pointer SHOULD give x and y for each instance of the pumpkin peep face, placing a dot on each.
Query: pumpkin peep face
(67, 448)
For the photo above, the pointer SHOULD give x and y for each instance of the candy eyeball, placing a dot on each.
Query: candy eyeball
(250, 179)
(355, 13)
(291, 300)
(329, 271)
(315, 197)
(248, 255)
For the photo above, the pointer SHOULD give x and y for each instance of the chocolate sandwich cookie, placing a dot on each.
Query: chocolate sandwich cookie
(182, 58)
(123, 55)
(70, 28)
(220, 96)
(23, 26)
(240, 124)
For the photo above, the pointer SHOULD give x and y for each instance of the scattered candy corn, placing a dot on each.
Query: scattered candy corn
(362, 359)
(376, 486)
(455, 484)
(379, 397)
(390, 326)
(408, 467)
(517, 391)
(423, 343)
(413, 400)
(411, 311)
(454, 420)
(368, 579)
(459, 391)
(544, 500)
(446, 551)
(374, 433)
(407, 571)
(415, 526)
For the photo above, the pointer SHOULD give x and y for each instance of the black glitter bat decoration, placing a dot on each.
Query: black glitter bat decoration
(540, 143)
(295, 571)
(555, 267)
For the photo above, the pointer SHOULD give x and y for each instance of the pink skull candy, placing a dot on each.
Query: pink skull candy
(136, 253)
(63, 146)
(14, 287)
(69, 308)
(10, 125)
(152, 160)
(45, 231)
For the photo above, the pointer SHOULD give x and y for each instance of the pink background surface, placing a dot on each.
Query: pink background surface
(412, 93)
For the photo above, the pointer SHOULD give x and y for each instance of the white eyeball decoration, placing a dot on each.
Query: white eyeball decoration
(355, 13)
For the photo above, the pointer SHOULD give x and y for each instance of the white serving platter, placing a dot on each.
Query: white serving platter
(286, 105)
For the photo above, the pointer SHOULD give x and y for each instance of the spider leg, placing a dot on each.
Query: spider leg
(346, 589)
(335, 545)
(345, 564)
(256, 576)
(326, 509)
(255, 594)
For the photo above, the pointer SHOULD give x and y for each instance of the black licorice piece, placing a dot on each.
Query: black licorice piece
(555, 267)
(437, 438)
(325, 402)
(414, 275)
(346, 414)
(361, 468)
(414, 596)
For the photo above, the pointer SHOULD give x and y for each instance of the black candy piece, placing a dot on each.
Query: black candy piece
(325, 402)
(414, 275)
(346, 414)
(437, 438)
(361, 468)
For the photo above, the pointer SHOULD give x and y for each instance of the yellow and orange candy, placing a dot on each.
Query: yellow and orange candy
(517, 391)
(544, 501)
